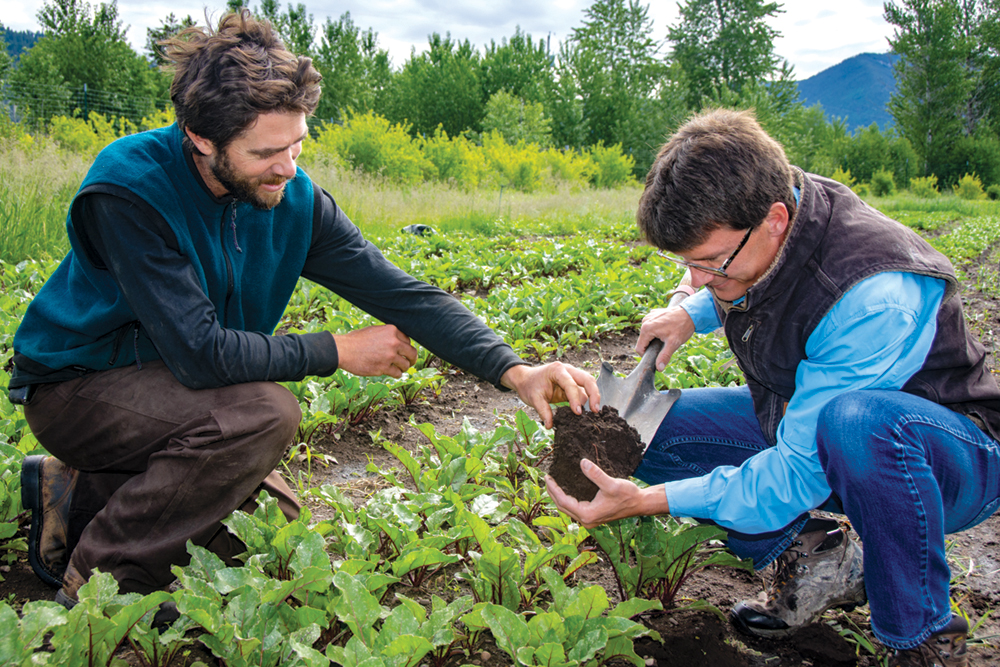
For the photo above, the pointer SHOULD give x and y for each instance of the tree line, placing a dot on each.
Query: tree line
(609, 82)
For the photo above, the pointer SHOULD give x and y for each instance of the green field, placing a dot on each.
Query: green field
(550, 272)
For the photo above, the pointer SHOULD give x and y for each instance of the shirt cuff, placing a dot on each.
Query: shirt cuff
(686, 497)
(701, 309)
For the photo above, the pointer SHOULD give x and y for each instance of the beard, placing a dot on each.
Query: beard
(245, 188)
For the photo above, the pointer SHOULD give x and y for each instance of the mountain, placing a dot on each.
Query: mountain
(856, 90)
(18, 41)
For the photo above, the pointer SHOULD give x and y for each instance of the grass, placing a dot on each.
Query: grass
(946, 202)
(381, 208)
(38, 183)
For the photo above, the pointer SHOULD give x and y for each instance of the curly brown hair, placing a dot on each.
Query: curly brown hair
(225, 78)
(719, 169)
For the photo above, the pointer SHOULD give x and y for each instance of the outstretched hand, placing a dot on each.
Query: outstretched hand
(376, 350)
(615, 499)
(556, 382)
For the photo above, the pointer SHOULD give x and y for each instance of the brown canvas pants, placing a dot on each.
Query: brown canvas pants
(161, 464)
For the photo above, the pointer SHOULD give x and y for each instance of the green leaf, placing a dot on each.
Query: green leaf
(635, 606)
(412, 647)
(357, 607)
(509, 630)
(553, 655)
(234, 578)
(37, 619)
(588, 602)
(420, 557)
(592, 640)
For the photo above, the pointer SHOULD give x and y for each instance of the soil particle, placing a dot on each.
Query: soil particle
(602, 437)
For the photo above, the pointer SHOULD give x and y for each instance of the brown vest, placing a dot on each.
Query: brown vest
(835, 242)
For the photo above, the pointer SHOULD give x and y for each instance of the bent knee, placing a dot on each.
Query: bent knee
(262, 409)
(283, 410)
(849, 424)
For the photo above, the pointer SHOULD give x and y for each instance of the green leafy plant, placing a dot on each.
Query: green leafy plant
(92, 631)
(652, 557)
(10, 504)
(924, 186)
(23, 637)
(969, 187)
(406, 635)
(883, 183)
(574, 632)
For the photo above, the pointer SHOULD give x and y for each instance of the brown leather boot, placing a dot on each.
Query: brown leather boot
(819, 571)
(47, 486)
(944, 648)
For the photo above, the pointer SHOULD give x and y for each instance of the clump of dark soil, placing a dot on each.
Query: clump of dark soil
(602, 437)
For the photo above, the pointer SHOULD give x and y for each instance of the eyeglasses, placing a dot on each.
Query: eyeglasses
(721, 271)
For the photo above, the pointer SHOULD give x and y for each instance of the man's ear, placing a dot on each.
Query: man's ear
(777, 219)
(204, 146)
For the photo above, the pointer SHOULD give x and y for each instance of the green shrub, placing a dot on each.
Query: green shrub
(569, 166)
(518, 166)
(842, 176)
(882, 183)
(969, 187)
(370, 143)
(612, 168)
(457, 160)
(861, 189)
(924, 186)
(88, 137)
(993, 192)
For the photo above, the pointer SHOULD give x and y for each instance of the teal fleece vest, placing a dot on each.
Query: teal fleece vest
(248, 263)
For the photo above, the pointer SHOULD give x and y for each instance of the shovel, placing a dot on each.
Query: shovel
(635, 397)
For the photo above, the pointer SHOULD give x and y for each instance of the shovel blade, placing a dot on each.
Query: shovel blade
(635, 397)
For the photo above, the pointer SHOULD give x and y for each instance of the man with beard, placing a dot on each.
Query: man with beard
(147, 362)
(866, 394)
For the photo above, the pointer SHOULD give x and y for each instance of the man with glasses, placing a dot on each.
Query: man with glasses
(866, 395)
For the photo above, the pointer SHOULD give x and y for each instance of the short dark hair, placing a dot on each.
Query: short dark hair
(719, 169)
(224, 79)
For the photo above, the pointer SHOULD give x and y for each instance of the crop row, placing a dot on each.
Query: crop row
(463, 539)
(476, 528)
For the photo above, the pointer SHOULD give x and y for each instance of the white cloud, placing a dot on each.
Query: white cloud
(816, 34)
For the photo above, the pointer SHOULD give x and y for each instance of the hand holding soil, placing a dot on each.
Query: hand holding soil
(602, 437)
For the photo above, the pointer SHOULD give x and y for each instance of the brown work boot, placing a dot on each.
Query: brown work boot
(944, 648)
(47, 486)
(819, 571)
(68, 595)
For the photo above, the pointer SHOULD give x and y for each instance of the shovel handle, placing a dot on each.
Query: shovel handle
(684, 290)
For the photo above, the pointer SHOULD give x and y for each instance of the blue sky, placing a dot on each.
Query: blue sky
(816, 34)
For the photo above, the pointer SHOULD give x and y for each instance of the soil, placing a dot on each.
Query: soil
(688, 638)
(602, 437)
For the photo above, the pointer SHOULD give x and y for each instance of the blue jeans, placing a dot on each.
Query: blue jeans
(904, 470)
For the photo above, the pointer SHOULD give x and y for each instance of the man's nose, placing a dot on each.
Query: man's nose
(700, 278)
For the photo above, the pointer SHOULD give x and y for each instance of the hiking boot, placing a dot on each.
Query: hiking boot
(47, 486)
(819, 571)
(67, 595)
(944, 648)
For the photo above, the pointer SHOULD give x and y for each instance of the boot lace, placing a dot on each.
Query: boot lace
(786, 568)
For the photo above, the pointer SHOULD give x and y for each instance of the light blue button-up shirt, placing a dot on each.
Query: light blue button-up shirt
(875, 337)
